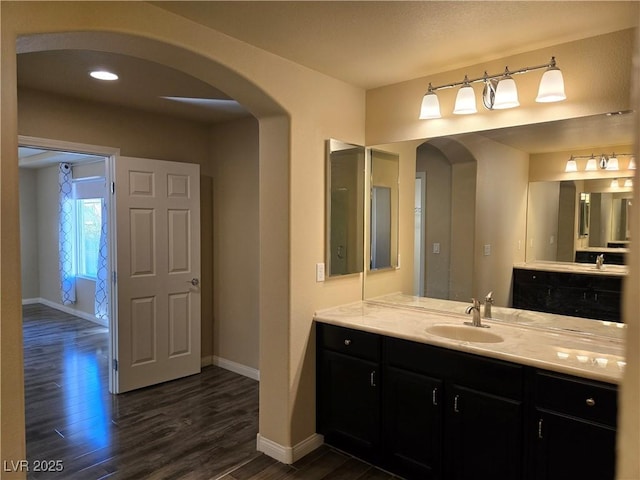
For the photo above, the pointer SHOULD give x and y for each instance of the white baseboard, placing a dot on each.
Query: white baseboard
(235, 367)
(288, 455)
(65, 309)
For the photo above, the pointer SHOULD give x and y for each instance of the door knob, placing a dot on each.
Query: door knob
(194, 281)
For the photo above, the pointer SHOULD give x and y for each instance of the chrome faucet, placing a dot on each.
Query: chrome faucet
(600, 261)
(488, 301)
(474, 310)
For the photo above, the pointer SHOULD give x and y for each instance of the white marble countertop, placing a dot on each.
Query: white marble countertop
(584, 354)
(569, 267)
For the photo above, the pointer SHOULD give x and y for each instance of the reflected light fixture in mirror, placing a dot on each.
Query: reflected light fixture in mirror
(551, 89)
(606, 162)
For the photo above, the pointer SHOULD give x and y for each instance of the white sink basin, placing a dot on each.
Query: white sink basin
(465, 333)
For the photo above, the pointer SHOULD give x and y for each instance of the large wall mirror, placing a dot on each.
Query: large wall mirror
(383, 221)
(345, 165)
(485, 201)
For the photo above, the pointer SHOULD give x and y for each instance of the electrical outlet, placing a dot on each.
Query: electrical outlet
(436, 248)
(319, 272)
(487, 250)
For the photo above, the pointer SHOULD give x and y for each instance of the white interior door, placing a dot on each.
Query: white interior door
(157, 217)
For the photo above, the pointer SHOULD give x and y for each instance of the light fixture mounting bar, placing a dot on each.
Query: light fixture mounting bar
(486, 77)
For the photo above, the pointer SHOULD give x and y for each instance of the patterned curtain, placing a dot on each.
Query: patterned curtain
(102, 280)
(66, 235)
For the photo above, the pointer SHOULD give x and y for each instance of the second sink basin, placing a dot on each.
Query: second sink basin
(465, 333)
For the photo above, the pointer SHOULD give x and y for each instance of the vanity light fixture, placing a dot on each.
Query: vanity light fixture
(572, 166)
(506, 92)
(628, 183)
(465, 99)
(603, 162)
(500, 91)
(615, 183)
(592, 165)
(430, 107)
(632, 163)
(103, 75)
(612, 164)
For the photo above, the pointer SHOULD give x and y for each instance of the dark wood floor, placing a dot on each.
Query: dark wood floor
(199, 427)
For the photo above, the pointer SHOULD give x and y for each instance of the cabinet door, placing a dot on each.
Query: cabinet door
(484, 435)
(349, 406)
(567, 447)
(412, 424)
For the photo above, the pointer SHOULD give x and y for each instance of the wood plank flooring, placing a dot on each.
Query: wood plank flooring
(199, 427)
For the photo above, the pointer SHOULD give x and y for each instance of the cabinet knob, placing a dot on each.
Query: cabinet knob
(347, 342)
(590, 402)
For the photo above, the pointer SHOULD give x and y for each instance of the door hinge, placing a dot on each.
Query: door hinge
(115, 364)
(113, 187)
(114, 277)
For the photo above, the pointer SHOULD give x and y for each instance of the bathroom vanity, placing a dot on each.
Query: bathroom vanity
(577, 289)
(405, 389)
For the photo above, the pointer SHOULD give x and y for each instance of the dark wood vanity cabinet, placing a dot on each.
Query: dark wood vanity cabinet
(573, 428)
(596, 296)
(425, 412)
(348, 390)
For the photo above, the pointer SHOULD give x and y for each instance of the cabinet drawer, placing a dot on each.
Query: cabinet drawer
(576, 397)
(348, 341)
(533, 277)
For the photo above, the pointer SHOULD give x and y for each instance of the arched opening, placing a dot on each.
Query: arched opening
(446, 173)
(273, 147)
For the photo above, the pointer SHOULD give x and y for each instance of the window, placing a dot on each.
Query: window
(89, 222)
(88, 194)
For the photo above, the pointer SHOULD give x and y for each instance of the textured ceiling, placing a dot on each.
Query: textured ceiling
(368, 44)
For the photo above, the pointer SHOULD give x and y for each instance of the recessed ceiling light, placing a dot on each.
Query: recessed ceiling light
(104, 75)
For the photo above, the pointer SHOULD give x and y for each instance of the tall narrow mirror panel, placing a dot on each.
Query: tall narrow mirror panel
(384, 210)
(345, 208)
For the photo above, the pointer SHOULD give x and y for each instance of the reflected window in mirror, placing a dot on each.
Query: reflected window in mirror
(345, 167)
(384, 210)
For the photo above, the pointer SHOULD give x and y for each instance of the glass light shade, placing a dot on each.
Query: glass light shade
(592, 165)
(614, 183)
(551, 87)
(430, 107)
(465, 101)
(506, 94)
(632, 163)
(628, 182)
(613, 163)
(572, 166)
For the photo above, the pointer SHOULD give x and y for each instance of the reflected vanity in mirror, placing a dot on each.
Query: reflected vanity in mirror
(384, 210)
(345, 164)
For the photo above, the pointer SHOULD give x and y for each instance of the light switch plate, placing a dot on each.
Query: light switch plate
(487, 250)
(319, 272)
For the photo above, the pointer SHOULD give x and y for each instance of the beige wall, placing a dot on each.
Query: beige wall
(29, 233)
(234, 151)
